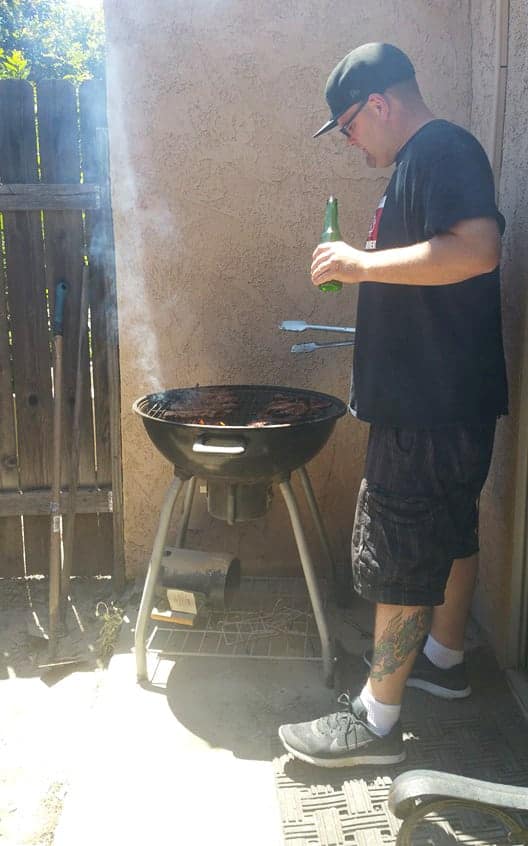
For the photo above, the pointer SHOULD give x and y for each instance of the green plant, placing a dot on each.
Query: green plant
(13, 65)
(112, 617)
(51, 39)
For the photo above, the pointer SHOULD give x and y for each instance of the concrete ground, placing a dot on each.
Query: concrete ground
(90, 756)
(44, 711)
(188, 756)
(95, 758)
(190, 764)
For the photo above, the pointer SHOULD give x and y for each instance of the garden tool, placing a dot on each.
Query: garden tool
(76, 442)
(61, 289)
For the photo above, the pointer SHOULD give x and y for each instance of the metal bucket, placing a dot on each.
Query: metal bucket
(214, 574)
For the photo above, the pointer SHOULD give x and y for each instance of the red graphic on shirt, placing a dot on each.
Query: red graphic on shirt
(374, 226)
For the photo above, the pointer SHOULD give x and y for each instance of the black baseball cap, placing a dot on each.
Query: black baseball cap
(370, 68)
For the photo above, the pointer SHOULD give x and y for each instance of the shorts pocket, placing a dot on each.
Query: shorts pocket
(405, 538)
(405, 511)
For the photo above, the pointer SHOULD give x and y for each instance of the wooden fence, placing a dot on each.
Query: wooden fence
(54, 217)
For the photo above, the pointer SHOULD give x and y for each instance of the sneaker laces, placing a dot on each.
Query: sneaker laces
(340, 721)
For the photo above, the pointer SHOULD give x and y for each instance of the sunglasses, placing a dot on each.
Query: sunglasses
(346, 126)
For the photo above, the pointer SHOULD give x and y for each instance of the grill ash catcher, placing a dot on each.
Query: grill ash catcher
(215, 575)
(242, 440)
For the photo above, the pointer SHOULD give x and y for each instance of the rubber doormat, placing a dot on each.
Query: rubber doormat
(485, 736)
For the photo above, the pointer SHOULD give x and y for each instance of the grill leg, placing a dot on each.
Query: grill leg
(189, 496)
(147, 597)
(311, 581)
(316, 514)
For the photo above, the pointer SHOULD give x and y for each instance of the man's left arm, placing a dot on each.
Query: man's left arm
(469, 248)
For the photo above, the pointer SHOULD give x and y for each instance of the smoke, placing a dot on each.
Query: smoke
(143, 223)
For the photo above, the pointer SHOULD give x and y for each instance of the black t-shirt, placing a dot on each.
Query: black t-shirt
(431, 355)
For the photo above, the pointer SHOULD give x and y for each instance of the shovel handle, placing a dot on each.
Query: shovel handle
(61, 289)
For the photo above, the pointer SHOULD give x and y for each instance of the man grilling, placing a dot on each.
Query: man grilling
(430, 378)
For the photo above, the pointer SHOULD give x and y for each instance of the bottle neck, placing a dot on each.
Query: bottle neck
(331, 227)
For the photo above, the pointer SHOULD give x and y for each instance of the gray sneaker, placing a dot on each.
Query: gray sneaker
(447, 684)
(343, 739)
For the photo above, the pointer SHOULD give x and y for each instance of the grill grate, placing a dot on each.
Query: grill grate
(238, 405)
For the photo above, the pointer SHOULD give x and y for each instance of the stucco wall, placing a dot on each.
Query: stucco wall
(218, 199)
(493, 597)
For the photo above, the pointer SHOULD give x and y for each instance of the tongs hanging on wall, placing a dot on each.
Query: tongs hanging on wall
(312, 346)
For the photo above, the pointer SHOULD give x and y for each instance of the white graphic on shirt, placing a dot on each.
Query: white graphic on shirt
(374, 226)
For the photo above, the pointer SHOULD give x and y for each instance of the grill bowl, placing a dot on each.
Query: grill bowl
(239, 450)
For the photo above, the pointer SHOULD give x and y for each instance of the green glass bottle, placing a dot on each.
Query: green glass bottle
(331, 233)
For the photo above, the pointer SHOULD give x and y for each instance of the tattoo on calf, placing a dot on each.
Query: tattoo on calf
(402, 636)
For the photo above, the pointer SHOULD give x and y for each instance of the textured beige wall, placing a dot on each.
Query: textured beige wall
(493, 599)
(218, 198)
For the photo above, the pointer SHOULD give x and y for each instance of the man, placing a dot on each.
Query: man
(429, 376)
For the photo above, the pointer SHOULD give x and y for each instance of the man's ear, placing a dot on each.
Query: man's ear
(381, 105)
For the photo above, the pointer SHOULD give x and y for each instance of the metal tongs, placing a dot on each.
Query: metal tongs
(311, 346)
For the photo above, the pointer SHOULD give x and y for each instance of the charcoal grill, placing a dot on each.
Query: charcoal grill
(240, 439)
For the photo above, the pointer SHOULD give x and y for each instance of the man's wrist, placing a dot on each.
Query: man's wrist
(365, 266)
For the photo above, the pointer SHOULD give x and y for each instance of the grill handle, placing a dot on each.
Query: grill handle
(207, 445)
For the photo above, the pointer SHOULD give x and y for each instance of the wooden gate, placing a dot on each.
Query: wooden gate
(55, 217)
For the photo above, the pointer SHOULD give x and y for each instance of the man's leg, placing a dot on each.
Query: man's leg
(440, 669)
(369, 731)
(398, 635)
(449, 620)
(397, 557)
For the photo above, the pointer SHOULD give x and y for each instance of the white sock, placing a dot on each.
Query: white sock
(381, 717)
(440, 655)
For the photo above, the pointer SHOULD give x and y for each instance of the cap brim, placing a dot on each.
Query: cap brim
(330, 124)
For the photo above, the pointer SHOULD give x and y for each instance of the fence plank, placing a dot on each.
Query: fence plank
(8, 451)
(11, 529)
(89, 501)
(28, 309)
(12, 555)
(60, 162)
(58, 197)
(95, 559)
(92, 102)
(29, 278)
